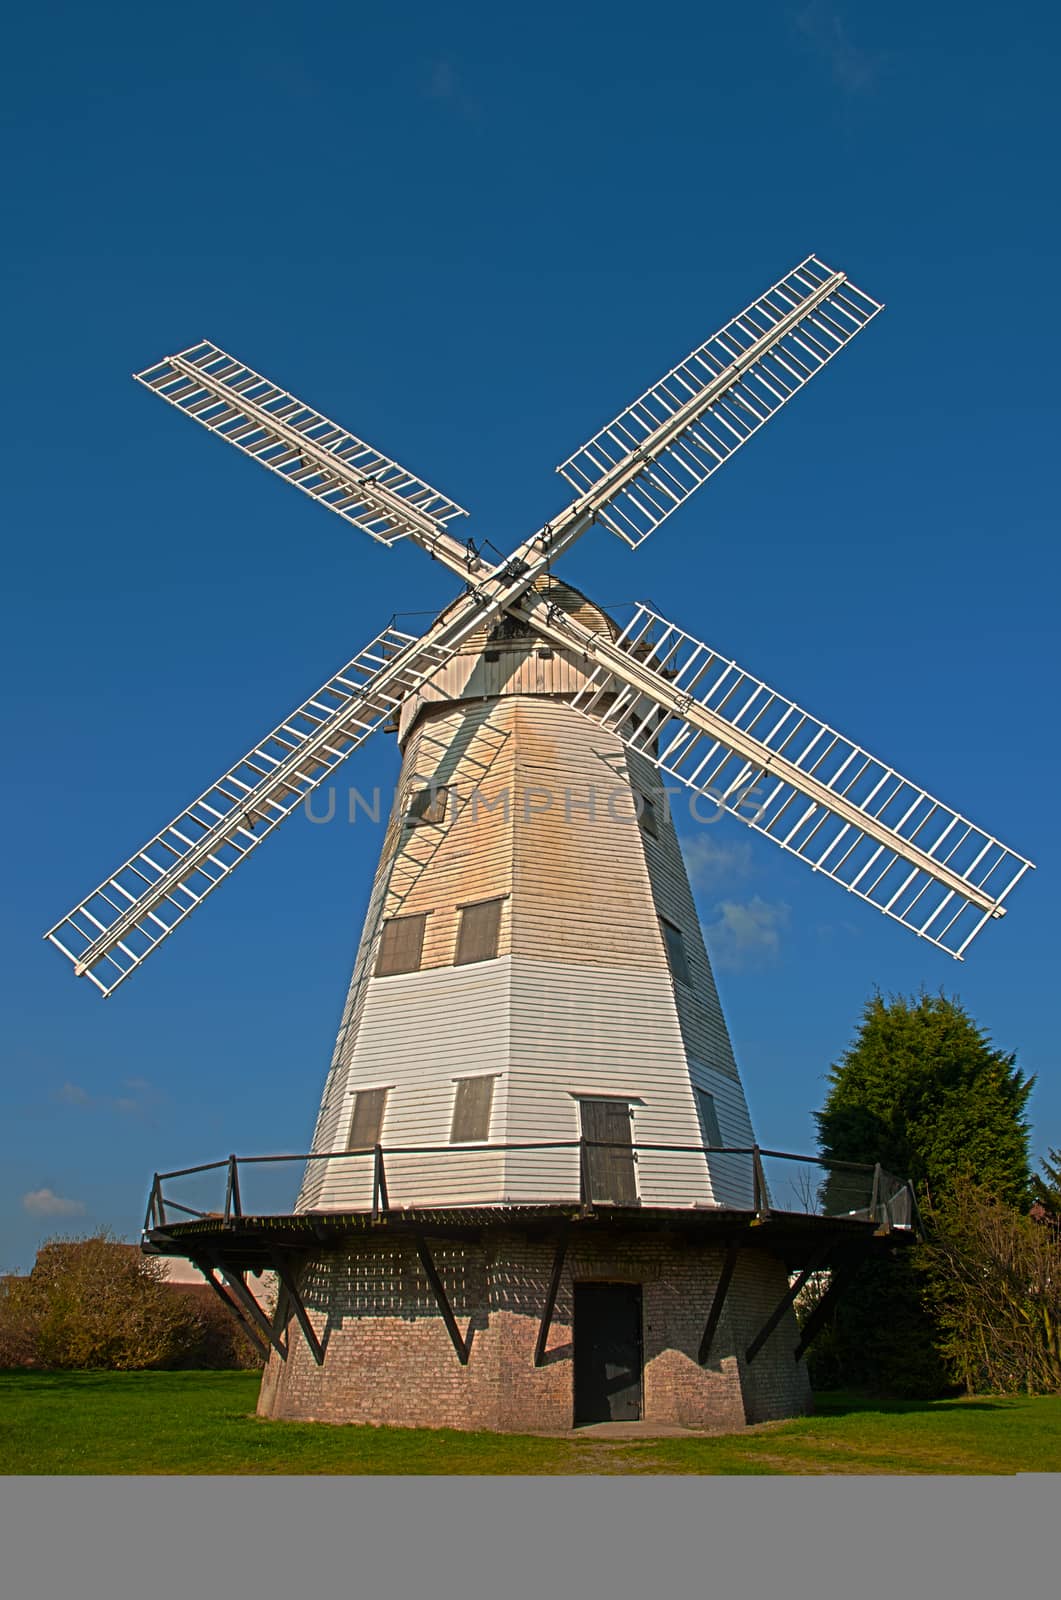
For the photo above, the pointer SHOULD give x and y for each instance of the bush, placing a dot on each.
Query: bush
(99, 1303)
(995, 1277)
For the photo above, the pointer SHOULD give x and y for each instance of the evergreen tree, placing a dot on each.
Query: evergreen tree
(1047, 1187)
(922, 1091)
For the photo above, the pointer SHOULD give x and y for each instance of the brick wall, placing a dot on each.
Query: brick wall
(389, 1359)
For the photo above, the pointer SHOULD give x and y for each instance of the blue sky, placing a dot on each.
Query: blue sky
(472, 235)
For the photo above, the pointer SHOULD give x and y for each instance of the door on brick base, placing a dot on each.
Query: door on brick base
(607, 1340)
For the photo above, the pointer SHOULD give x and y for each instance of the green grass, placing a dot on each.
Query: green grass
(203, 1422)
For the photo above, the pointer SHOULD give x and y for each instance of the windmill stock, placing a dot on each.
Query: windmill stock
(698, 716)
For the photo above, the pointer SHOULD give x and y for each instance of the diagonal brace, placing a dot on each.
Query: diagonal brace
(282, 1268)
(826, 1306)
(249, 1328)
(236, 1285)
(786, 1301)
(714, 1316)
(550, 1298)
(460, 1344)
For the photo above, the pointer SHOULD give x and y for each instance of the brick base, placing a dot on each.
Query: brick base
(389, 1359)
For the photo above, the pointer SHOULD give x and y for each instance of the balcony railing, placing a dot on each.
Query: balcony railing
(584, 1172)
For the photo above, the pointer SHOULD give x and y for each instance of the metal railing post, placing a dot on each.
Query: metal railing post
(760, 1201)
(874, 1198)
(583, 1174)
(154, 1215)
(233, 1208)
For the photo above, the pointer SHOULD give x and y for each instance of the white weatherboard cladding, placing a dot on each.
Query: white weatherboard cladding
(580, 1001)
(414, 1039)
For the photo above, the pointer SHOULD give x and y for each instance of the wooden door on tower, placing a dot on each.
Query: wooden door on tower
(609, 1152)
(607, 1360)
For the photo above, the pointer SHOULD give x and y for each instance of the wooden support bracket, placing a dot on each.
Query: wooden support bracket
(289, 1286)
(461, 1345)
(823, 1311)
(237, 1286)
(249, 1327)
(718, 1301)
(787, 1299)
(550, 1298)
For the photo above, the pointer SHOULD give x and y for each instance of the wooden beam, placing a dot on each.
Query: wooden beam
(235, 1282)
(245, 1323)
(718, 1301)
(550, 1298)
(823, 1311)
(786, 1300)
(290, 1286)
(461, 1346)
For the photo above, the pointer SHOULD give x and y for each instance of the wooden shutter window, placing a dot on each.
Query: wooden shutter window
(366, 1124)
(428, 805)
(471, 1111)
(675, 947)
(480, 930)
(708, 1117)
(401, 945)
(609, 1169)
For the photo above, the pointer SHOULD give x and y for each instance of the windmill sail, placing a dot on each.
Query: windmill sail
(116, 927)
(334, 467)
(758, 755)
(648, 461)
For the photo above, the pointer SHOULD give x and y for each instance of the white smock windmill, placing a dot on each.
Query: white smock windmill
(532, 991)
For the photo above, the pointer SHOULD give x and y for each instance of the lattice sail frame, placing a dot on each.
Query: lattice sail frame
(802, 785)
(630, 476)
(330, 464)
(121, 922)
(688, 424)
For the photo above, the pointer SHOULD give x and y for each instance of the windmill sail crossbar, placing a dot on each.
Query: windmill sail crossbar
(647, 462)
(117, 926)
(332, 466)
(759, 756)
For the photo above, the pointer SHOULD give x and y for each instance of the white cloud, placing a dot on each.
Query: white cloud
(72, 1094)
(746, 932)
(443, 80)
(46, 1203)
(710, 864)
(826, 33)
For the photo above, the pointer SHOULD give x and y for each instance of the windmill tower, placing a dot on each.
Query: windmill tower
(533, 1123)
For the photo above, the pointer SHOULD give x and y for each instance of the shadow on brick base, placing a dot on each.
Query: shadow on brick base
(389, 1359)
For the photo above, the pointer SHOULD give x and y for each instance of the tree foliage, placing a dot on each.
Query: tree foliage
(923, 1091)
(1046, 1187)
(995, 1275)
(98, 1303)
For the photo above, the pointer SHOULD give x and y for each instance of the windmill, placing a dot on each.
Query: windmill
(533, 1113)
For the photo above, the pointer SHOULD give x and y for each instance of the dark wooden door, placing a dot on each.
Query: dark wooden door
(609, 1151)
(607, 1339)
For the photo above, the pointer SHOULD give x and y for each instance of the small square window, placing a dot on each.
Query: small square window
(366, 1122)
(675, 947)
(480, 932)
(428, 805)
(471, 1111)
(646, 813)
(401, 945)
(705, 1104)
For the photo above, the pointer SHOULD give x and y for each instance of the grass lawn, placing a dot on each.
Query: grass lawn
(203, 1422)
